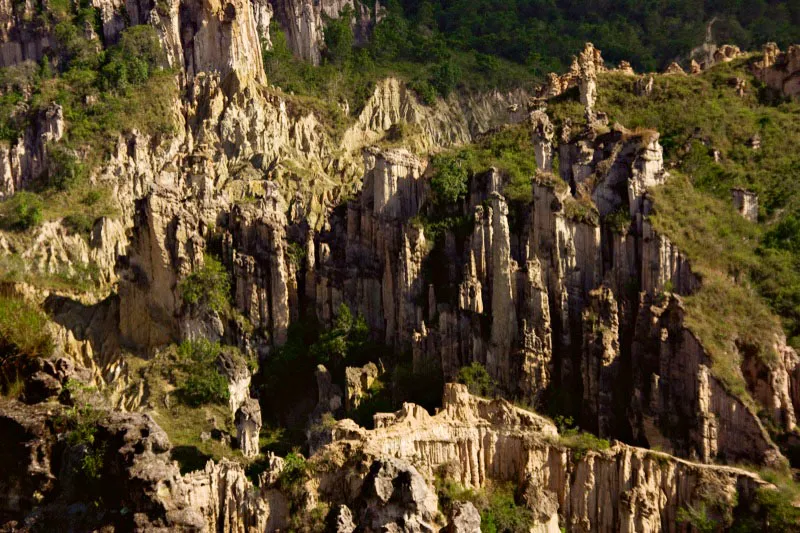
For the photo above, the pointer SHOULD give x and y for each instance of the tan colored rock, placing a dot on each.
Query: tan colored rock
(357, 384)
(674, 69)
(543, 133)
(726, 53)
(599, 365)
(590, 64)
(625, 68)
(26, 160)
(779, 70)
(248, 426)
(644, 85)
(746, 204)
(622, 488)
(464, 518)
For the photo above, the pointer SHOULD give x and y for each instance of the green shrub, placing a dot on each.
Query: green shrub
(23, 330)
(582, 442)
(497, 504)
(339, 39)
(91, 198)
(295, 473)
(502, 514)
(64, 169)
(451, 178)
(131, 62)
(204, 384)
(425, 91)
(79, 223)
(477, 379)
(296, 253)
(348, 339)
(209, 286)
(446, 77)
(23, 211)
(697, 518)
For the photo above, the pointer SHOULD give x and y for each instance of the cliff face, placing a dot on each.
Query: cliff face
(548, 293)
(304, 22)
(479, 441)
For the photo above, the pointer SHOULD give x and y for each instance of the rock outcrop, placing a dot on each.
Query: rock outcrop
(304, 22)
(746, 204)
(26, 160)
(248, 427)
(480, 441)
(779, 70)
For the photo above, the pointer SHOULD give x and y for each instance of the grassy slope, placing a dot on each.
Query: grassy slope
(696, 114)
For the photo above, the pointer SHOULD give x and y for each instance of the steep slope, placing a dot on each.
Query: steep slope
(246, 236)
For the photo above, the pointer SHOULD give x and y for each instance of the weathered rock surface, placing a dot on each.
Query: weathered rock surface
(358, 382)
(464, 518)
(622, 488)
(780, 70)
(248, 426)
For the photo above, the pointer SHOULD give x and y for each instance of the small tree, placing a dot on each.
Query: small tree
(446, 77)
(26, 211)
(339, 39)
(205, 384)
(477, 379)
(208, 286)
(450, 182)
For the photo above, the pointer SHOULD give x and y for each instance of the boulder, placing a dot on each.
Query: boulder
(464, 518)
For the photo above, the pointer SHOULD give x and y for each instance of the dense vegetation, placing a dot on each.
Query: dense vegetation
(543, 35)
(441, 45)
(204, 383)
(208, 287)
(500, 508)
(696, 116)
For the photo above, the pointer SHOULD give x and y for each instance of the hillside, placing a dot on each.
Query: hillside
(278, 265)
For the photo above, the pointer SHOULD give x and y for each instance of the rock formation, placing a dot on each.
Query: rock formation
(567, 287)
(248, 426)
(780, 70)
(746, 204)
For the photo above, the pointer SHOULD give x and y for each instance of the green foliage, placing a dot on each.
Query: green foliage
(347, 339)
(92, 463)
(64, 168)
(131, 62)
(296, 253)
(500, 512)
(477, 379)
(579, 441)
(204, 383)
(619, 221)
(451, 179)
(697, 518)
(503, 514)
(80, 423)
(23, 330)
(79, 223)
(296, 472)
(446, 77)
(543, 36)
(208, 287)
(22, 211)
(339, 39)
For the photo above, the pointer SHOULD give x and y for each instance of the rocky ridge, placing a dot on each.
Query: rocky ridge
(542, 291)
